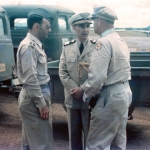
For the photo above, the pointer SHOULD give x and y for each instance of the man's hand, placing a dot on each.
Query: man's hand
(77, 93)
(44, 113)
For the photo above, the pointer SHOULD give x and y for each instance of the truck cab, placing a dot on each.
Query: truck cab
(61, 30)
(7, 60)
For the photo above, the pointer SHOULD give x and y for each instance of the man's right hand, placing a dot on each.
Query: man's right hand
(77, 93)
(44, 113)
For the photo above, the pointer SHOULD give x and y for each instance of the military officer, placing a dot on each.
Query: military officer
(34, 98)
(73, 70)
(109, 74)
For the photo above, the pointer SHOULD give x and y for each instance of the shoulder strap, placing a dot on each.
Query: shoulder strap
(69, 42)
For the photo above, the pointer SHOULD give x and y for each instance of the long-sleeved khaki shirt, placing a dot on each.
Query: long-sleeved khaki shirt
(72, 74)
(109, 64)
(32, 68)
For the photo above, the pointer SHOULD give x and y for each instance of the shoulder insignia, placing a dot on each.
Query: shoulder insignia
(98, 46)
(93, 41)
(32, 43)
(69, 42)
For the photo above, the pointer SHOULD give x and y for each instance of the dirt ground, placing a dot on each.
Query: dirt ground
(138, 129)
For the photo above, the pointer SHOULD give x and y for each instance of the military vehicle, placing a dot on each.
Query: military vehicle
(7, 60)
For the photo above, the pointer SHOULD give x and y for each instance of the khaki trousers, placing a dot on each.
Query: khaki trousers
(78, 126)
(36, 132)
(109, 118)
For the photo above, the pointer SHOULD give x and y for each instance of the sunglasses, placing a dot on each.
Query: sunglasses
(47, 27)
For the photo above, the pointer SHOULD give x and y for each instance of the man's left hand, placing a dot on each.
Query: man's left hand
(77, 93)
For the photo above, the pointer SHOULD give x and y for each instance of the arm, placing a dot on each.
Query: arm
(98, 72)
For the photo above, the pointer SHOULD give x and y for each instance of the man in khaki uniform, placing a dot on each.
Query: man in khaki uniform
(34, 98)
(73, 70)
(109, 75)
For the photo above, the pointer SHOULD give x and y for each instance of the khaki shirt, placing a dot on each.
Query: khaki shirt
(71, 73)
(32, 68)
(109, 63)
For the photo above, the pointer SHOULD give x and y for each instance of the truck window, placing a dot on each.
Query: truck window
(20, 23)
(62, 23)
(1, 27)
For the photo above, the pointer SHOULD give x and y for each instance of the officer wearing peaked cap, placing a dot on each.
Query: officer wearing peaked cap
(81, 18)
(34, 98)
(73, 70)
(109, 74)
(105, 13)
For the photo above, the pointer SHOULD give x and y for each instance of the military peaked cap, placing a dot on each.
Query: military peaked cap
(105, 13)
(41, 12)
(80, 18)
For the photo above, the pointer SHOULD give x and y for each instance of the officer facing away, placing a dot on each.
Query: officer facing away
(34, 98)
(109, 75)
(73, 71)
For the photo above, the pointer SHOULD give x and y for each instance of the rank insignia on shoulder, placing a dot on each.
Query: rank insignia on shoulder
(69, 42)
(98, 46)
(93, 41)
(66, 43)
(32, 43)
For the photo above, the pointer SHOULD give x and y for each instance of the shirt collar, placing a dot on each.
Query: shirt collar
(84, 42)
(33, 38)
(107, 32)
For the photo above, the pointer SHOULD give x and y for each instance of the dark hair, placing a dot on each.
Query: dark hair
(34, 19)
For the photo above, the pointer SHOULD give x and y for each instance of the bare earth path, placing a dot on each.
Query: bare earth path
(138, 129)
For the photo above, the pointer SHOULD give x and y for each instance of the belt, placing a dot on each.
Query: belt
(124, 82)
(44, 86)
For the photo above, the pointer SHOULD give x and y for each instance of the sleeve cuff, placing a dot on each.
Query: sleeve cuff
(83, 87)
(86, 98)
(40, 103)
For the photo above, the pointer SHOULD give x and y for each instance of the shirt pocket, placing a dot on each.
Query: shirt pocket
(70, 62)
(41, 65)
(88, 58)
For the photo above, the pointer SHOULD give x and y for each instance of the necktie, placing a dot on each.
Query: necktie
(81, 48)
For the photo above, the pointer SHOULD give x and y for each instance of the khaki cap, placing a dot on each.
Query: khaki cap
(41, 12)
(80, 18)
(105, 13)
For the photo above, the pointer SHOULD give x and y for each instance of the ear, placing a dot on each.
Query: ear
(36, 26)
(73, 27)
(99, 22)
